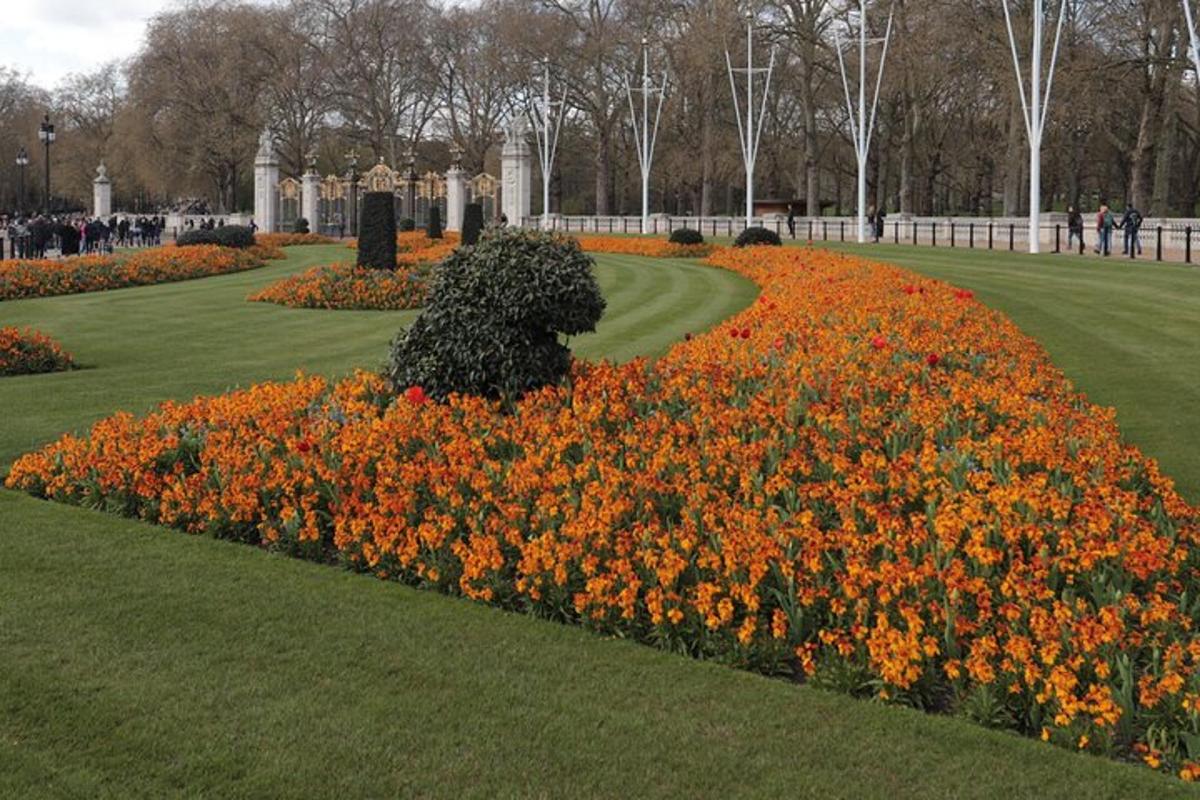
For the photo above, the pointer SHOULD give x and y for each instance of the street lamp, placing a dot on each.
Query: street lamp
(46, 134)
(22, 163)
(352, 177)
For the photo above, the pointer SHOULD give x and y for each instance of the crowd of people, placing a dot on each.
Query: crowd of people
(24, 236)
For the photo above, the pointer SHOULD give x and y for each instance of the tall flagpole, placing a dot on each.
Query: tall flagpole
(862, 132)
(547, 127)
(750, 135)
(1035, 103)
(645, 136)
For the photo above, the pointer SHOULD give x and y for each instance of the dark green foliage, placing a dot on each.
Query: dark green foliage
(686, 236)
(239, 236)
(377, 231)
(407, 224)
(757, 236)
(472, 223)
(301, 226)
(493, 316)
(434, 227)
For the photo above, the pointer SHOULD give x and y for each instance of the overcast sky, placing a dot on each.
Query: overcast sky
(47, 39)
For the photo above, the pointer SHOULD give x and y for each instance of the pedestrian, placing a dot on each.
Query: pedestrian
(880, 218)
(1131, 223)
(1074, 228)
(1104, 229)
(791, 220)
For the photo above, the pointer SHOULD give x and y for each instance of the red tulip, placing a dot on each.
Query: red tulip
(687, 337)
(304, 445)
(745, 333)
(415, 395)
(879, 343)
(932, 359)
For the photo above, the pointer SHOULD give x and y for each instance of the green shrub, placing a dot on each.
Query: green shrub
(238, 236)
(493, 316)
(686, 236)
(472, 223)
(301, 226)
(197, 236)
(434, 228)
(377, 231)
(407, 224)
(757, 236)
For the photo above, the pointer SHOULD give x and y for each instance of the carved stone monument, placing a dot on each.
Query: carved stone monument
(456, 191)
(516, 174)
(102, 193)
(266, 185)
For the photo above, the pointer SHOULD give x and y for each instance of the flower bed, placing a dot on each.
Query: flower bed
(291, 239)
(345, 286)
(95, 273)
(29, 352)
(643, 246)
(867, 481)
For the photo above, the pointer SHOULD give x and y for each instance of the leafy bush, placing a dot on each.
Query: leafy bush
(493, 315)
(407, 224)
(434, 228)
(301, 226)
(686, 236)
(472, 223)
(377, 231)
(757, 236)
(239, 236)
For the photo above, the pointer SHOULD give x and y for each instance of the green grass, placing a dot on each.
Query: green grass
(144, 345)
(1126, 333)
(137, 662)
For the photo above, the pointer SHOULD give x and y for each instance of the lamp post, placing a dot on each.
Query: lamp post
(46, 134)
(352, 178)
(22, 163)
(410, 159)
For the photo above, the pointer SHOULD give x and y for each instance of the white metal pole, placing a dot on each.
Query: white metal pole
(645, 135)
(1035, 133)
(546, 146)
(1194, 51)
(862, 122)
(751, 156)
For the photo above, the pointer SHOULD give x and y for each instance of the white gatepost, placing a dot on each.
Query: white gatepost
(456, 190)
(1034, 105)
(102, 193)
(516, 174)
(266, 185)
(310, 194)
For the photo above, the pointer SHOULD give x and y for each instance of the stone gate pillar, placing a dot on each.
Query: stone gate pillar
(102, 193)
(266, 185)
(456, 191)
(310, 195)
(516, 174)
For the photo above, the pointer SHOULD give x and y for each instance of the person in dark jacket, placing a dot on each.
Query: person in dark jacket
(1074, 228)
(880, 219)
(1131, 223)
(791, 220)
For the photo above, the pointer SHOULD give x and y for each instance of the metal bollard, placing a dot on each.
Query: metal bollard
(1011, 236)
(990, 226)
(971, 236)
(1158, 246)
(933, 233)
(842, 228)
(952, 233)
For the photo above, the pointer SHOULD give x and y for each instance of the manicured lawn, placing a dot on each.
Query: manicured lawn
(144, 345)
(1126, 333)
(139, 662)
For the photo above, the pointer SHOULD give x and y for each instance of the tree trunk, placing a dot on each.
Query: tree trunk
(1013, 161)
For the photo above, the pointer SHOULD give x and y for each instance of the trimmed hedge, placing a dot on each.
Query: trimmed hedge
(301, 226)
(686, 236)
(407, 224)
(493, 316)
(434, 228)
(377, 231)
(758, 236)
(472, 223)
(239, 236)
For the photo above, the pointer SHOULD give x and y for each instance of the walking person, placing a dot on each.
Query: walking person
(1131, 223)
(880, 218)
(1074, 228)
(1104, 229)
(791, 220)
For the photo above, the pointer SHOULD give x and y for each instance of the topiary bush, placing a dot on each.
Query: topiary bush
(472, 223)
(434, 227)
(493, 316)
(238, 236)
(757, 236)
(407, 224)
(686, 236)
(301, 226)
(377, 231)
(195, 237)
